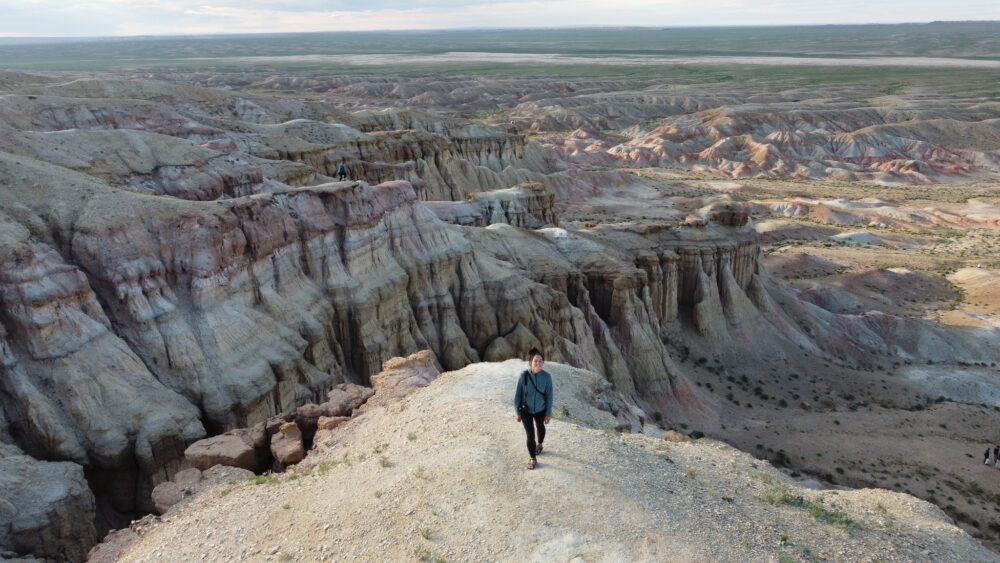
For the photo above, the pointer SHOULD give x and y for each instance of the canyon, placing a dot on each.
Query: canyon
(784, 266)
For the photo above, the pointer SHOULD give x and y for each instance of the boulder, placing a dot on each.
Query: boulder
(400, 376)
(112, 546)
(224, 449)
(46, 509)
(274, 423)
(346, 397)
(675, 436)
(165, 495)
(286, 445)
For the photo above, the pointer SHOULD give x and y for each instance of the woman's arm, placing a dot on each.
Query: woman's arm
(549, 398)
(518, 392)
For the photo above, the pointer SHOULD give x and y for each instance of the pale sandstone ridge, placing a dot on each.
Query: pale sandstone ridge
(439, 473)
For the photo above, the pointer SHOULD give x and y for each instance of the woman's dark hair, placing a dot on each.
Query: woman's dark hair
(535, 352)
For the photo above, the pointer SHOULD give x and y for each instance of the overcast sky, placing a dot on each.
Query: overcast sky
(57, 18)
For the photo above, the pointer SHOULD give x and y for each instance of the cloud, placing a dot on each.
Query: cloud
(127, 17)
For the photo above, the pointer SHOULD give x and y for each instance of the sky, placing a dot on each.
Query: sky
(101, 18)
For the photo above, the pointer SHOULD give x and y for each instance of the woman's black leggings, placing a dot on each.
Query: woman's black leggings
(529, 429)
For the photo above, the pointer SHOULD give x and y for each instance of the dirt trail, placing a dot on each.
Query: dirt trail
(439, 475)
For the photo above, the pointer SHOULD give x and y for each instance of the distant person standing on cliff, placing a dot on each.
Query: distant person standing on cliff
(996, 457)
(986, 456)
(341, 172)
(533, 403)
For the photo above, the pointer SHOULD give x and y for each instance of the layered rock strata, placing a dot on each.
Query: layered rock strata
(528, 205)
(222, 314)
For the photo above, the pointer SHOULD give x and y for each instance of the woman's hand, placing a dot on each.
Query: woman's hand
(547, 420)
(518, 417)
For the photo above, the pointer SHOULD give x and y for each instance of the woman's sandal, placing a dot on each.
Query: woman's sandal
(539, 449)
(531, 463)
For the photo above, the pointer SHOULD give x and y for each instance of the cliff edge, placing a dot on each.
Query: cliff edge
(439, 474)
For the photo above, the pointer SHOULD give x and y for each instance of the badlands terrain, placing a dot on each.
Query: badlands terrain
(784, 241)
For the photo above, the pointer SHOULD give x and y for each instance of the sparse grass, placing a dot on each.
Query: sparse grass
(426, 533)
(421, 473)
(411, 436)
(783, 495)
(265, 479)
(691, 472)
(384, 462)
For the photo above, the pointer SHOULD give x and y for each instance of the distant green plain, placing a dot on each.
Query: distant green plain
(236, 53)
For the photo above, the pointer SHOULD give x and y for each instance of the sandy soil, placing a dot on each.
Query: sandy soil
(439, 476)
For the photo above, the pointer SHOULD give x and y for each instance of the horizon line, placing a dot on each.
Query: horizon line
(4, 36)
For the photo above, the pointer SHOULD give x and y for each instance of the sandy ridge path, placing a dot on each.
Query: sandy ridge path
(439, 475)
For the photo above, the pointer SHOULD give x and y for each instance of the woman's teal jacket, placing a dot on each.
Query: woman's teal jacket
(534, 390)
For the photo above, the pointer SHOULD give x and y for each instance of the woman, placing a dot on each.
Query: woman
(533, 403)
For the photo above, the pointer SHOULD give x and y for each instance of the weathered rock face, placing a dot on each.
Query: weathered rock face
(862, 143)
(250, 307)
(47, 509)
(529, 205)
(133, 324)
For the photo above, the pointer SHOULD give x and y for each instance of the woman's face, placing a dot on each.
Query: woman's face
(536, 363)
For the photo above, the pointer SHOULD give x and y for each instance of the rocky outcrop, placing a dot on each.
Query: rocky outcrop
(401, 376)
(232, 449)
(528, 205)
(286, 444)
(189, 482)
(47, 509)
(838, 143)
(133, 324)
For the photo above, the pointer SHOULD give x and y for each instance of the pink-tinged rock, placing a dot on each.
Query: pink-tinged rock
(674, 436)
(221, 145)
(224, 449)
(286, 445)
(307, 415)
(112, 546)
(331, 422)
(165, 495)
(400, 376)
(273, 424)
(258, 435)
(346, 397)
